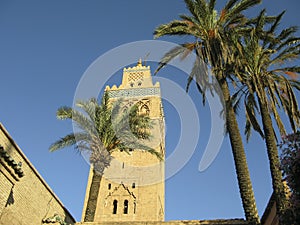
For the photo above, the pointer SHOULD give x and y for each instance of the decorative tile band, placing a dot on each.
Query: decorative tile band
(134, 92)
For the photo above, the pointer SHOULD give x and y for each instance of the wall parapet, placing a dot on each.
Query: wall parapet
(175, 222)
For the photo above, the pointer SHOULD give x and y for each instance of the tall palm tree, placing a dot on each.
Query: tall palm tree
(264, 61)
(102, 129)
(213, 32)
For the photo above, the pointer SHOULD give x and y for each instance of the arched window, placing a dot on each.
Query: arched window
(144, 110)
(126, 207)
(133, 185)
(115, 204)
(109, 186)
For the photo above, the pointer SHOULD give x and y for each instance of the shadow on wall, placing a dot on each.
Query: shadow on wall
(10, 199)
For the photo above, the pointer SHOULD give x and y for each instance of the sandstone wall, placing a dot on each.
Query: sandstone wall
(179, 222)
(25, 198)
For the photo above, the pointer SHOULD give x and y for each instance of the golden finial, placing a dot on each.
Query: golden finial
(139, 62)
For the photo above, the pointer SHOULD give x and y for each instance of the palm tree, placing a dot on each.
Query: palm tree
(213, 33)
(263, 60)
(103, 129)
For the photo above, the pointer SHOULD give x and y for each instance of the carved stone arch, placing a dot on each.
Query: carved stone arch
(144, 110)
(114, 202)
(144, 107)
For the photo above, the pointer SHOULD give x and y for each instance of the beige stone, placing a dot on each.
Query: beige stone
(25, 198)
(176, 222)
(134, 183)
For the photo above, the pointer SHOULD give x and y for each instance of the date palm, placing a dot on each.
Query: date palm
(264, 60)
(100, 130)
(213, 34)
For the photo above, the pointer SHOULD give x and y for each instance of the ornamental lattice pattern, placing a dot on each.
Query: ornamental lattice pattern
(135, 76)
(134, 92)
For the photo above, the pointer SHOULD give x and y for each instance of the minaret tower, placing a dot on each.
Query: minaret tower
(132, 188)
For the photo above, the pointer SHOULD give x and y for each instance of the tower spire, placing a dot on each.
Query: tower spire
(139, 62)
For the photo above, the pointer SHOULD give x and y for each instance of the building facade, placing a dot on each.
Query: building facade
(25, 198)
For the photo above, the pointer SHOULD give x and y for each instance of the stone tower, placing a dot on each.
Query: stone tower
(132, 188)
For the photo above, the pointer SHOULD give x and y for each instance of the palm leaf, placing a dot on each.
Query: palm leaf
(69, 140)
(250, 105)
(174, 52)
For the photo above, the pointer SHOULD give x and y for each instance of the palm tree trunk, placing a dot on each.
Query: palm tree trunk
(241, 167)
(278, 186)
(93, 197)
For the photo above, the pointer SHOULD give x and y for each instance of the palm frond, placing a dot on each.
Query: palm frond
(64, 113)
(170, 55)
(273, 92)
(276, 22)
(238, 7)
(200, 74)
(68, 141)
(88, 107)
(251, 107)
(81, 121)
(286, 33)
(230, 4)
(176, 27)
(196, 8)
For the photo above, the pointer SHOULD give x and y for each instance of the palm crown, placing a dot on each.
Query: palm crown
(100, 130)
(263, 62)
(103, 128)
(212, 30)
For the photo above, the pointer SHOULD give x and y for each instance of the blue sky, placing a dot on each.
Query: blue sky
(45, 48)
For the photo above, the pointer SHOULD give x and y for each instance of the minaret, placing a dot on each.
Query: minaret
(132, 188)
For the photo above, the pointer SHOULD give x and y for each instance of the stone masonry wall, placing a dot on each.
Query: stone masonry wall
(177, 222)
(25, 198)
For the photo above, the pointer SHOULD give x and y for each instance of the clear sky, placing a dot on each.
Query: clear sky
(46, 47)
